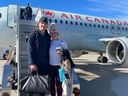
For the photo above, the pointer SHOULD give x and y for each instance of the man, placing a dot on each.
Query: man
(27, 14)
(38, 49)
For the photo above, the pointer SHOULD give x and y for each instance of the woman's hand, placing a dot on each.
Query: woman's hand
(59, 52)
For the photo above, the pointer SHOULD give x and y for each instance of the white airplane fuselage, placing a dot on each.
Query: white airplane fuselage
(84, 32)
(81, 32)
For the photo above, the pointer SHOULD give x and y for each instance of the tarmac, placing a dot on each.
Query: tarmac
(101, 79)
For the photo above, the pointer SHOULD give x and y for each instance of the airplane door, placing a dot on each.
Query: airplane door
(11, 16)
(21, 13)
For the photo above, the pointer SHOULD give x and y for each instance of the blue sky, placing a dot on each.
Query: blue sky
(116, 9)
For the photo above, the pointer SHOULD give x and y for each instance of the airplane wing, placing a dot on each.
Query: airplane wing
(110, 39)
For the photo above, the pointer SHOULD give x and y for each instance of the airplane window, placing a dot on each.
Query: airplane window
(71, 22)
(118, 28)
(106, 27)
(94, 25)
(66, 22)
(126, 29)
(85, 24)
(99, 26)
(76, 23)
(90, 25)
(0, 15)
(80, 24)
(102, 26)
(122, 28)
(61, 21)
(55, 21)
(112, 27)
(50, 20)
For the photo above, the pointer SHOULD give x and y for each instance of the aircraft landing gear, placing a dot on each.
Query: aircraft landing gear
(102, 59)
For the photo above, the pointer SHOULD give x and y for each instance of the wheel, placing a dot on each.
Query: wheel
(99, 59)
(102, 59)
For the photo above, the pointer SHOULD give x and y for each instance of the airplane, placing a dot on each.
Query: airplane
(81, 32)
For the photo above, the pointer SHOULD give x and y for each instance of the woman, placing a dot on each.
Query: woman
(55, 59)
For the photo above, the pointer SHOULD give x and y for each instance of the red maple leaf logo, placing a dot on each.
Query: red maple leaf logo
(49, 14)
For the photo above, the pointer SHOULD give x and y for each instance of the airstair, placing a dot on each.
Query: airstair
(22, 28)
(25, 27)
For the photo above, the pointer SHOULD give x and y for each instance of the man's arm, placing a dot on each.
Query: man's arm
(31, 52)
(31, 49)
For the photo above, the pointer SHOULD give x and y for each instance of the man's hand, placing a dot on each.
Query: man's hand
(33, 68)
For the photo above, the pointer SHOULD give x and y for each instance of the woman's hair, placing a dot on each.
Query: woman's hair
(53, 28)
(53, 31)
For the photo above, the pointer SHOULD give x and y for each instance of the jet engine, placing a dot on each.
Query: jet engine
(117, 50)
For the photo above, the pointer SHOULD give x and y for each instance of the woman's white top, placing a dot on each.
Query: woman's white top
(54, 57)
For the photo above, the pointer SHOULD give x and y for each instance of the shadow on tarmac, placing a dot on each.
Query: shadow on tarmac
(100, 86)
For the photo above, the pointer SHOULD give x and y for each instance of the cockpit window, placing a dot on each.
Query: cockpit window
(0, 15)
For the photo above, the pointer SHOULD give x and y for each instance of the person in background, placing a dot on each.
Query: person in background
(55, 84)
(27, 13)
(38, 49)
